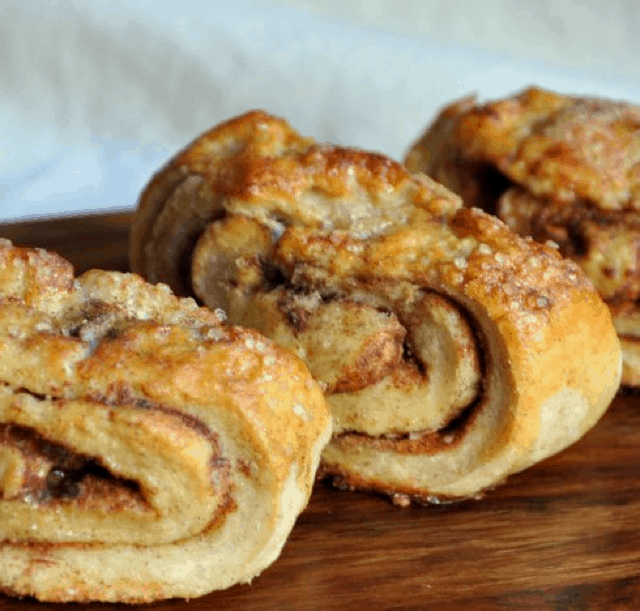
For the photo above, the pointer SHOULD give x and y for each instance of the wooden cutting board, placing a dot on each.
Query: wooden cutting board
(564, 535)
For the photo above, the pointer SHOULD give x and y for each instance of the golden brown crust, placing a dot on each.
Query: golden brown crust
(257, 163)
(136, 428)
(446, 343)
(553, 167)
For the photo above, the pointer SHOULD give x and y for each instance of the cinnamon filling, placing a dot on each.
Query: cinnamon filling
(418, 442)
(430, 441)
(53, 474)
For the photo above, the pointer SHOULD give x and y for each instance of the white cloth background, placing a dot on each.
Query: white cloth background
(94, 97)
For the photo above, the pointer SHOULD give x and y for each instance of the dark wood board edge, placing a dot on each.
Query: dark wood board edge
(97, 240)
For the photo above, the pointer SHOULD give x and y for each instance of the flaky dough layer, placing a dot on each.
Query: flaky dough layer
(452, 351)
(147, 451)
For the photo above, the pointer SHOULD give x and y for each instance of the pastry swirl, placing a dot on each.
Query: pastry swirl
(147, 450)
(554, 167)
(445, 343)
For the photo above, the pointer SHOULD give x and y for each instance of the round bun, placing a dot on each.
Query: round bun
(452, 351)
(147, 451)
(557, 168)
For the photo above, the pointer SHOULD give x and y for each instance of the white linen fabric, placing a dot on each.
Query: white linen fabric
(93, 99)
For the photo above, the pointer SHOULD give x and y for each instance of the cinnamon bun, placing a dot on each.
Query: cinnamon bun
(452, 351)
(558, 168)
(147, 450)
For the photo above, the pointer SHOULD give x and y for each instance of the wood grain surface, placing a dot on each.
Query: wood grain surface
(564, 535)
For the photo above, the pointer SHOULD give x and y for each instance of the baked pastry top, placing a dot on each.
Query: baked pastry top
(561, 147)
(147, 450)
